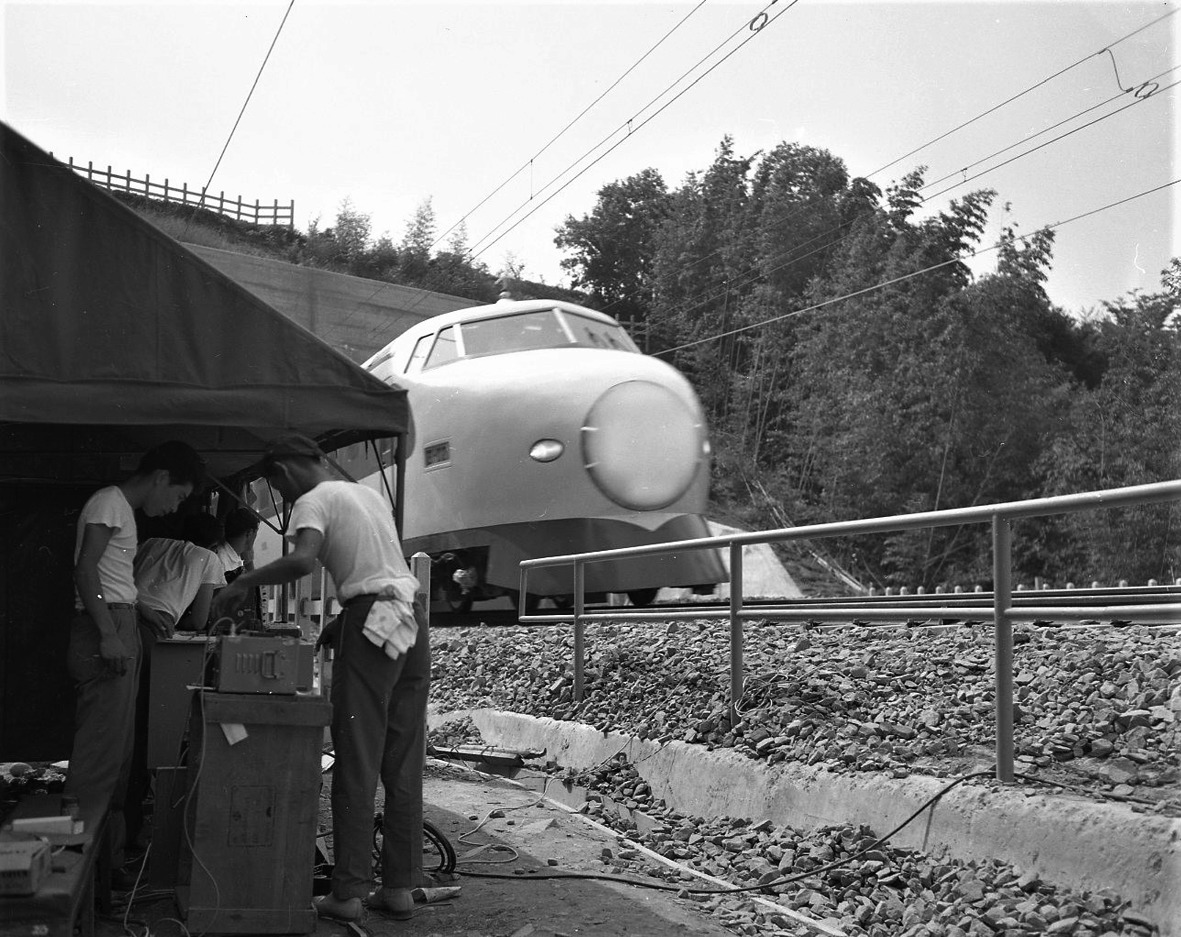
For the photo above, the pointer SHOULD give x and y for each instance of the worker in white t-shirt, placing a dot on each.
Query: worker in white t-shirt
(104, 647)
(176, 580)
(380, 677)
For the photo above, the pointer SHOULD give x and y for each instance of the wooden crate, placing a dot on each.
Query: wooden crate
(246, 864)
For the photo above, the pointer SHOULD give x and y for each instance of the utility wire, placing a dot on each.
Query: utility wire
(630, 127)
(1020, 94)
(560, 133)
(1067, 120)
(249, 95)
(1060, 136)
(911, 276)
(747, 24)
(753, 273)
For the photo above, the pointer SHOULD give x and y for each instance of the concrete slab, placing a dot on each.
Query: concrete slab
(763, 576)
(1066, 840)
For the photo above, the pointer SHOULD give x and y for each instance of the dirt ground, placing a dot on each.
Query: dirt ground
(540, 839)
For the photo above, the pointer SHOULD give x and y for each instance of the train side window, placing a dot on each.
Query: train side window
(420, 349)
(444, 349)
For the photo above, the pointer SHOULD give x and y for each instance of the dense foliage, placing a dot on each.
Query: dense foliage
(936, 390)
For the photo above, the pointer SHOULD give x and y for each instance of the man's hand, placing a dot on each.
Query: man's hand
(114, 654)
(227, 600)
(330, 633)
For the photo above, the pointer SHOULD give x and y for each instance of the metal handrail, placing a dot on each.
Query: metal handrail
(1002, 611)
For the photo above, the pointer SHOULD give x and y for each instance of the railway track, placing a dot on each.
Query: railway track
(863, 608)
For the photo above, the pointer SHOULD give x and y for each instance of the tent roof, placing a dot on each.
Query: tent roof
(114, 337)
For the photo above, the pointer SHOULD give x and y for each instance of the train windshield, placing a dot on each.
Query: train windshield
(528, 331)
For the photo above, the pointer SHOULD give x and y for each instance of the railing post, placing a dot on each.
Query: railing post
(736, 669)
(1002, 577)
(420, 568)
(579, 629)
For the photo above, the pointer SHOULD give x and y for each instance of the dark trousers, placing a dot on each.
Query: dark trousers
(104, 720)
(378, 730)
(139, 778)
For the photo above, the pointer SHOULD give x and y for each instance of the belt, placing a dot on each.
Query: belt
(120, 605)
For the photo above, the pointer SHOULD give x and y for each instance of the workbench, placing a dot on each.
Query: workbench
(66, 899)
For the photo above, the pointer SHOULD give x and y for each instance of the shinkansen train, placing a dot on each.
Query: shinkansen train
(539, 429)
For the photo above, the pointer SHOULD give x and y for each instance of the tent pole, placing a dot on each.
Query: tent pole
(399, 482)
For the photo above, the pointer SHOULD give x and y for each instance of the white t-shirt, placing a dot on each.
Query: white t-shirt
(230, 560)
(361, 550)
(169, 573)
(108, 507)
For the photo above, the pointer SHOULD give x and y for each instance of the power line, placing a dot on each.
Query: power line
(1034, 136)
(1060, 136)
(916, 273)
(249, 95)
(747, 24)
(754, 272)
(529, 162)
(628, 124)
(1020, 94)
(472, 255)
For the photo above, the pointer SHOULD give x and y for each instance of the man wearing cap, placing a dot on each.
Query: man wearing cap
(381, 672)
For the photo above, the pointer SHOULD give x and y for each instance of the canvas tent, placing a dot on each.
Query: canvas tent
(114, 337)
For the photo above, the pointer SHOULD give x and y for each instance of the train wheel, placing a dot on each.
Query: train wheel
(532, 602)
(642, 596)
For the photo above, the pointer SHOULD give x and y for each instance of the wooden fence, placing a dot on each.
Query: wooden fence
(258, 213)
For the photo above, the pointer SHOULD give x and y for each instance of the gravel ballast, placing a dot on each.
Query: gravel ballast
(1096, 709)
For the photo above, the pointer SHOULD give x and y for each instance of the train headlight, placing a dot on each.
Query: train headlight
(641, 445)
(546, 450)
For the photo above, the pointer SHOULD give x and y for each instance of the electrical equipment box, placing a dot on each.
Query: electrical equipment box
(24, 865)
(248, 853)
(256, 664)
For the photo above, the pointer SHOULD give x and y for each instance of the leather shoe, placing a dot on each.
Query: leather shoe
(338, 909)
(397, 903)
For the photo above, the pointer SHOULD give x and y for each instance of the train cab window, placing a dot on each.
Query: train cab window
(421, 347)
(592, 333)
(444, 349)
(380, 367)
(523, 332)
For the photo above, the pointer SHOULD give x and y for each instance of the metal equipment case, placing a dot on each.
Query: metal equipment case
(247, 860)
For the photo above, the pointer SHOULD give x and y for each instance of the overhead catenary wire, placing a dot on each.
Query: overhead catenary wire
(1021, 94)
(1106, 49)
(749, 25)
(245, 103)
(554, 139)
(913, 274)
(630, 127)
(754, 272)
(1061, 136)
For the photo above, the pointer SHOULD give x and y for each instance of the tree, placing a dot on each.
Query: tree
(612, 247)
(1124, 431)
(351, 232)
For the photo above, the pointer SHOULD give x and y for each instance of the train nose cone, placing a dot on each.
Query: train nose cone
(642, 445)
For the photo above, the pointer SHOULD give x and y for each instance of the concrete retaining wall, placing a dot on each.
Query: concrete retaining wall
(1066, 840)
(354, 315)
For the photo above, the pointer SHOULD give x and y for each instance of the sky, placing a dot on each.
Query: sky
(388, 104)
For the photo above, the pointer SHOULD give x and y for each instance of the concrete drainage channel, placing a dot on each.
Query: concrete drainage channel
(1064, 840)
